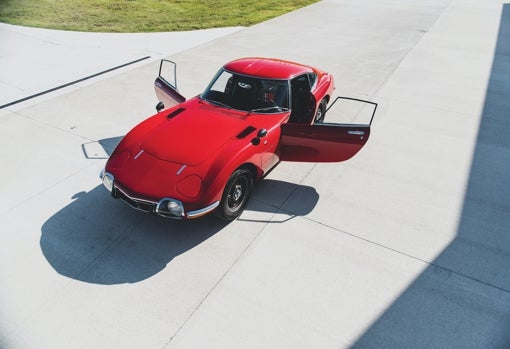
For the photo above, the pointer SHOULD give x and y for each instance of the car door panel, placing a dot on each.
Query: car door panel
(322, 142)
(333, 141)
(165, 84)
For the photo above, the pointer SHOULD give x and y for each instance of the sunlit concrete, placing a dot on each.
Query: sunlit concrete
(404, 246)
(34, 60)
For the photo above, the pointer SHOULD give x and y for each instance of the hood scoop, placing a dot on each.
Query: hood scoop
(245, 132)
(175, 113)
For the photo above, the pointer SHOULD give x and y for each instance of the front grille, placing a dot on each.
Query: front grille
(142, 205)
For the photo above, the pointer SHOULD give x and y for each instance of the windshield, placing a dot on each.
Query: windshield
(248, 93)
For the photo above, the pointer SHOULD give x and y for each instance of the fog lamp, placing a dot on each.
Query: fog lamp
(174, 208)
(170, 208)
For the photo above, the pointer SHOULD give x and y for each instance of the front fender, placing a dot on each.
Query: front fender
(228, 160)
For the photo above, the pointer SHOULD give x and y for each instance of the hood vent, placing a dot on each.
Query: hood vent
(175, 113)
(246, 132)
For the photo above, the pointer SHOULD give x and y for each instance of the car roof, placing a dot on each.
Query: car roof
(271, 68)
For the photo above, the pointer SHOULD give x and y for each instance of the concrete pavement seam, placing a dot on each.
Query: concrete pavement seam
(219, 281)
(53, 89)
(463, 275)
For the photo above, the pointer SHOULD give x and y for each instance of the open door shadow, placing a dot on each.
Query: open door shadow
(102, 149)
(275, 196)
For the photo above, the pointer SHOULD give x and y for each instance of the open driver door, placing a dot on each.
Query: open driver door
(345, 132)
(165, 85)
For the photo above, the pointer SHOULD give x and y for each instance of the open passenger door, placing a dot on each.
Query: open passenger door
(332, 141)
(166, 84)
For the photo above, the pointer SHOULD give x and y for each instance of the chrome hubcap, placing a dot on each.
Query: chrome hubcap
(238, 192)
(236, 195)
(318, 117)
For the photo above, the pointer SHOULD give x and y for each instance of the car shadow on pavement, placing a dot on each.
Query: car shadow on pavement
(99, 240)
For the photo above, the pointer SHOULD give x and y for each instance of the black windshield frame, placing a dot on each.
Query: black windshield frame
(248, 93)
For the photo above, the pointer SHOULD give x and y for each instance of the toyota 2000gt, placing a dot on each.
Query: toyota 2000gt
(205, 154)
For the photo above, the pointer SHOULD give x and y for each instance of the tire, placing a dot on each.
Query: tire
(235, 195)
(321, 112)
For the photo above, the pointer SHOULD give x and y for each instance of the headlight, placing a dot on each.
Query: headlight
(108, 180)
(170, 208)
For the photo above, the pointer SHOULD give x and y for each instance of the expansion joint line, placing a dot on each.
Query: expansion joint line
(432, 264)
(220, 280)
(73, 82)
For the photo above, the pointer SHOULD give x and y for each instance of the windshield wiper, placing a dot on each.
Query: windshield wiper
(278, 109)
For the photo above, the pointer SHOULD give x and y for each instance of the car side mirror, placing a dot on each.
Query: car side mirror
(160, 106)
(262, 133)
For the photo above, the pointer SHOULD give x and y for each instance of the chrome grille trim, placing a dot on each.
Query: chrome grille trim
(136, 203)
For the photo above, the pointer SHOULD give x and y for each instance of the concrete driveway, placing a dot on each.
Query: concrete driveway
(407, 245)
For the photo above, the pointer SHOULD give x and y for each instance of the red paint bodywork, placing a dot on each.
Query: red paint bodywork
(189, 151)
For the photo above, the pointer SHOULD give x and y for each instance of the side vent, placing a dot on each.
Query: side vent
(175, 113)
(246, 132)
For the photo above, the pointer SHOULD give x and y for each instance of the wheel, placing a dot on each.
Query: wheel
(235, 195)
(321, 112)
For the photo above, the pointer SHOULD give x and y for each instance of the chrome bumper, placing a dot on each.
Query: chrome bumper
(161, 208)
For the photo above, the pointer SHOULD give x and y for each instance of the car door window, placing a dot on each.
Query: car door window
(303, 102)
(165, 84)
(312, 77)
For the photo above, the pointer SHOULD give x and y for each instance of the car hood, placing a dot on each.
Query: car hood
(191, 135)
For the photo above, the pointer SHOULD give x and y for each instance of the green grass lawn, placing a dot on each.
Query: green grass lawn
(142, 15)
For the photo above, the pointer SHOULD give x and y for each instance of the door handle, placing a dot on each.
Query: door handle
(356, 133)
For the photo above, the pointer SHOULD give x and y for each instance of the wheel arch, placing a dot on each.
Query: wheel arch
(252, 168)
(236, 192)
(218, 174)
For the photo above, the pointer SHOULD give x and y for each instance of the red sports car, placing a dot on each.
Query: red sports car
(204, 154)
